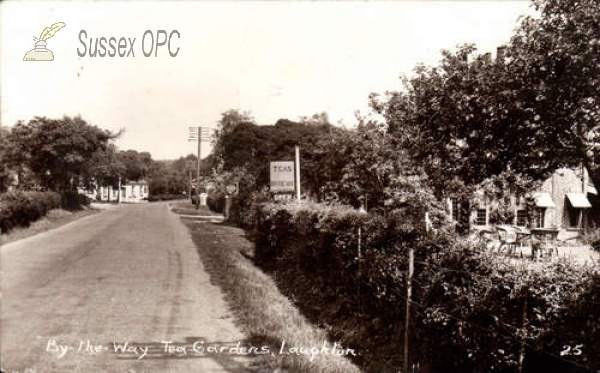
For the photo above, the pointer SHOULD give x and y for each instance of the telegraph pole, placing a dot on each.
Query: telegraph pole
(411, 270)
(199, 134)
(297, 169)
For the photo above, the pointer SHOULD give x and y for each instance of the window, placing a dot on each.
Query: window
(575, 206)
(574, 217)
(481, 217)
(522, 218)
(454, 209)
(540, 214)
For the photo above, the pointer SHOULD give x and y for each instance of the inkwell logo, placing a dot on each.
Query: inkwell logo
(40, 53)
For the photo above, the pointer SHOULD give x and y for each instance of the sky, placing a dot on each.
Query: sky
(276, 59)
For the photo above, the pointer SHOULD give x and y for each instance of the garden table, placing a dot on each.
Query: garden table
(546, 241)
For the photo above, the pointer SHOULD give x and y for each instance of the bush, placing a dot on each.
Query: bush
(72, 200)
(467, 304)
(593, 239)
(165, 197)
(21, 208)
(216, 201)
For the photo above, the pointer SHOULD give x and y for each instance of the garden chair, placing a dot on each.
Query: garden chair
(508, 239)
(544, 242)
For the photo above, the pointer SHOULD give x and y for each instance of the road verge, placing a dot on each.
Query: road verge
(264, 313)
(52, 220)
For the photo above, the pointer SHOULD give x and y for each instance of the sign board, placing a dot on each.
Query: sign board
(282, 177)
(283, 197)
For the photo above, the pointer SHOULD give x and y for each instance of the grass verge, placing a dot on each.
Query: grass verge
(53, 219)
(187, 208)
(263, 312)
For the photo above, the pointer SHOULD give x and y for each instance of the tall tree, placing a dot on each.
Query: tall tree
(106, 167)
(137, 165)
(230, 119)
(461, 121)
(555, 59)
(58, 150)
(251, 147)
(5, 159)
(532, 110)
(366, 168)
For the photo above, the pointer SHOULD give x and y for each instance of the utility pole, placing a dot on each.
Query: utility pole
(361, 210)
(411, 270)
(199, 134)
(297, 167)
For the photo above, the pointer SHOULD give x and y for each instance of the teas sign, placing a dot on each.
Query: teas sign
(282, 177)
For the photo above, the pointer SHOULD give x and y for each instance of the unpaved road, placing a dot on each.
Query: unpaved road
(132, 275)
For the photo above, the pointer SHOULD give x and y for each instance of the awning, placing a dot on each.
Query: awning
(543, 200)
(579, 200)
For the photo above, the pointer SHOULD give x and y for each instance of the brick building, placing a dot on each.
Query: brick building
(565, 202)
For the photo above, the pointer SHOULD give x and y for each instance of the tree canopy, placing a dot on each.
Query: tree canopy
(5, 153)
(58, 151)
(352, 166)
(531, 110)
(556, 64)
(106, 167)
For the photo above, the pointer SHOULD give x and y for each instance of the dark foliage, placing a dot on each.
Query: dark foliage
(468, 305)
(19, 209)
(165, 197)
(216, 201)
(73, 201)
(57, 151)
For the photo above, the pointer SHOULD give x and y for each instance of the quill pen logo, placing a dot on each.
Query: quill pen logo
(40, 52)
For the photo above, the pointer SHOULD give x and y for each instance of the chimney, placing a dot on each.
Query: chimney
(500, 54)
(487, 58)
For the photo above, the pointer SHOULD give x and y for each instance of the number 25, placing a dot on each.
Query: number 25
(576, 351)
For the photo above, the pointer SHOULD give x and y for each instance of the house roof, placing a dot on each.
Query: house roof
(578, 200)
(140, 182)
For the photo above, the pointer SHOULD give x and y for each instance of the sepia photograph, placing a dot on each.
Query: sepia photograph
(295, 186)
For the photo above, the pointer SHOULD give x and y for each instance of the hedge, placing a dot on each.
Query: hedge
(21, 208)
(471, 311)
(165, 197)
(71, 200)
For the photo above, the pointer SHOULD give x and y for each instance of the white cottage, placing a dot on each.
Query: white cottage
(132, 191)
(135, 191)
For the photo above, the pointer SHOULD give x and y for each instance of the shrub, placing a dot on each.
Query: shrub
(21, 208)
(467, 306)
(593, 239)
(72, 200)
(216, 201)
(165, 197)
